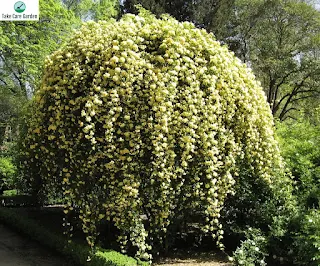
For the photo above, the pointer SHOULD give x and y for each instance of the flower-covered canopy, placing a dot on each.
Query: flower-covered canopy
(141, 120)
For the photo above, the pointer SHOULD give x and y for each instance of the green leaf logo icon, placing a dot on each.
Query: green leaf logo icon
(19, 7)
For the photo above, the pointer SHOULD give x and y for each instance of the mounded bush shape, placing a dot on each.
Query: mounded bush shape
(143, 121)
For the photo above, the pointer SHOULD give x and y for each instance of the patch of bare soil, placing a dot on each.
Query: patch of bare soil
(193, 259)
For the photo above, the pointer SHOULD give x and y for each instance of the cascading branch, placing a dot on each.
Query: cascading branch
(144, 120)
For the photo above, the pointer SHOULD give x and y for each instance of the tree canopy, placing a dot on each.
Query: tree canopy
(24, 46)
(280, 40)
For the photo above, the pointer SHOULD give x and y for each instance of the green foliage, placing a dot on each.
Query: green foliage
(213, 15)
(93, 10)
(151, 118)
(10, 193)
(306, 245)
(10, 110)
(106, 9)
(7, 174)
(287, 213)
(300, 147)
(253, 250)
(269, 209)
(181, 10)
(23, 48)
(281, 41)
(26, 44)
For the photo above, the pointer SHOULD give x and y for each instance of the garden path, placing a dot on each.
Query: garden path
(16, 250)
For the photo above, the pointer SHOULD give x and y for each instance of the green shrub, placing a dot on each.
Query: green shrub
(10, 193)
(144, 121)
(300, 147)
(269, 210)
(306, 246)
(7, 174)
(281, 212)
(7, 149)
(253, 250)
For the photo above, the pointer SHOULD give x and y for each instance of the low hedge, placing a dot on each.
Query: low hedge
(12, 200)
(78, 253)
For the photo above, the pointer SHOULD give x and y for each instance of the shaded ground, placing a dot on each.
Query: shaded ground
(16, 250)
(193, 259)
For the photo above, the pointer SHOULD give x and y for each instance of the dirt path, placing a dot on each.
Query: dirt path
(16, 250)
(194, 259)
(191, 262)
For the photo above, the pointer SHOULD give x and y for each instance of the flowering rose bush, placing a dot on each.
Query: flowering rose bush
(145, 119)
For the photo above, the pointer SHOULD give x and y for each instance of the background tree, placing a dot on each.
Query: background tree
(25, 44)
(9, 114)
(94, 10)
(281, 41)
(23, 48)
(209, 14)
